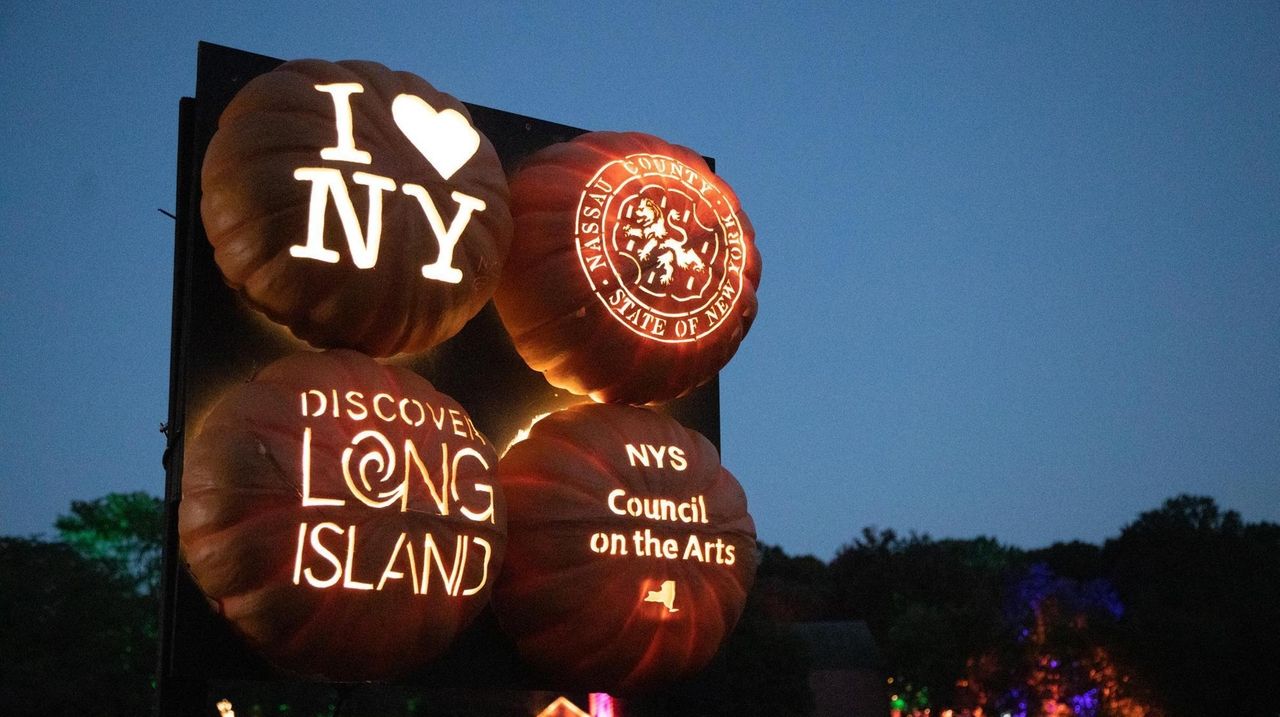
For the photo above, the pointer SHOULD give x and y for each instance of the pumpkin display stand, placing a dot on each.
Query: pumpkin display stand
(220, 341)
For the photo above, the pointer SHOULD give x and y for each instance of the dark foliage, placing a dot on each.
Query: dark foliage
(76, 638)
(931, 605)
(1185, 603)
(1202, 595)
(124, 530)
(1075, 560)
(793, 589)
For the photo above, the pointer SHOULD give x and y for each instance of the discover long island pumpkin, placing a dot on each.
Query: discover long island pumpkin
(355, 205)
(632, 276)
(343, 515)
(630, 550)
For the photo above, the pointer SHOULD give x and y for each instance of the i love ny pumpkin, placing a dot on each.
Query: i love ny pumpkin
(355, 205)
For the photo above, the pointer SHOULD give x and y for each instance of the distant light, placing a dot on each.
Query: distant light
(601, 705)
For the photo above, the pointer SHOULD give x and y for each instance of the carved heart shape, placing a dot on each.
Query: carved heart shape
(445, 138)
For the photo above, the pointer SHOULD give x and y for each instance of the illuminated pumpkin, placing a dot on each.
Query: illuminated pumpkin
(355, 205)
(343, 515)
(633, 273)
(630, 549)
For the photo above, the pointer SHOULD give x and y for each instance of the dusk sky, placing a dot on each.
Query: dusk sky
(1021, 262)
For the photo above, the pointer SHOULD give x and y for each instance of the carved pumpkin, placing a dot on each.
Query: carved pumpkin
(630, 548)
(355, 205)
(633, 273)
(343, 515)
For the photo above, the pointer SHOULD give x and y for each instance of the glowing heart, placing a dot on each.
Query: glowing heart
(445, 138)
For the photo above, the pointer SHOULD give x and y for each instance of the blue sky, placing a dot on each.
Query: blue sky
(1021, 261)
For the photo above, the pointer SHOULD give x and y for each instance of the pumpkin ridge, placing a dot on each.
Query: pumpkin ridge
(549, 324)
(282, 476)
(251, 97)
(312, 327)
(512, 485)
(657, 646)
(196, 546)
(264, 274)
(556, 254)
(230, 230)
(591, 456)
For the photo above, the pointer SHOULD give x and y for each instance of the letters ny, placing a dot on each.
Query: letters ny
(419, 125)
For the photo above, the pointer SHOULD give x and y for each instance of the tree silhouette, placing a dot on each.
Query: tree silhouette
(1058, 654)
(1186, 601)
(75, 638)
(793, 589)
(125, 530)
(1202, 590)
(79, 616)
(931, 605)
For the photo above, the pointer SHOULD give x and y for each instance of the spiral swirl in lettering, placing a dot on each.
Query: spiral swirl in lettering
(378, 462)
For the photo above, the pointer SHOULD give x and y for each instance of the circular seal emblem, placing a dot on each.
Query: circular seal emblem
(633, 271)
(661, 246)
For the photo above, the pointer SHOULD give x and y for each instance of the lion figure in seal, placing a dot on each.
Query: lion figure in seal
(652, 227)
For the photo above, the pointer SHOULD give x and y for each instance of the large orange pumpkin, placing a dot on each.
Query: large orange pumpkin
(633, 274)
(355, 205)
(630, 548)
(343, 515)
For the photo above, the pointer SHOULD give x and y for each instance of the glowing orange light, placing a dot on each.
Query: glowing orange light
(661, 247)
(665, 596)
(601, 705)
(523, 433)
(633, 272)
(562, 707)
(355, 216)
(445, 139)
(658, 528)
(369, 492)
(369, 467)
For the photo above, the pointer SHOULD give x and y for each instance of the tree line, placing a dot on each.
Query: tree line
(1178, 615)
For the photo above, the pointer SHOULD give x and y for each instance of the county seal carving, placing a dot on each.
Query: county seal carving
(661, 246)
(634, 269)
